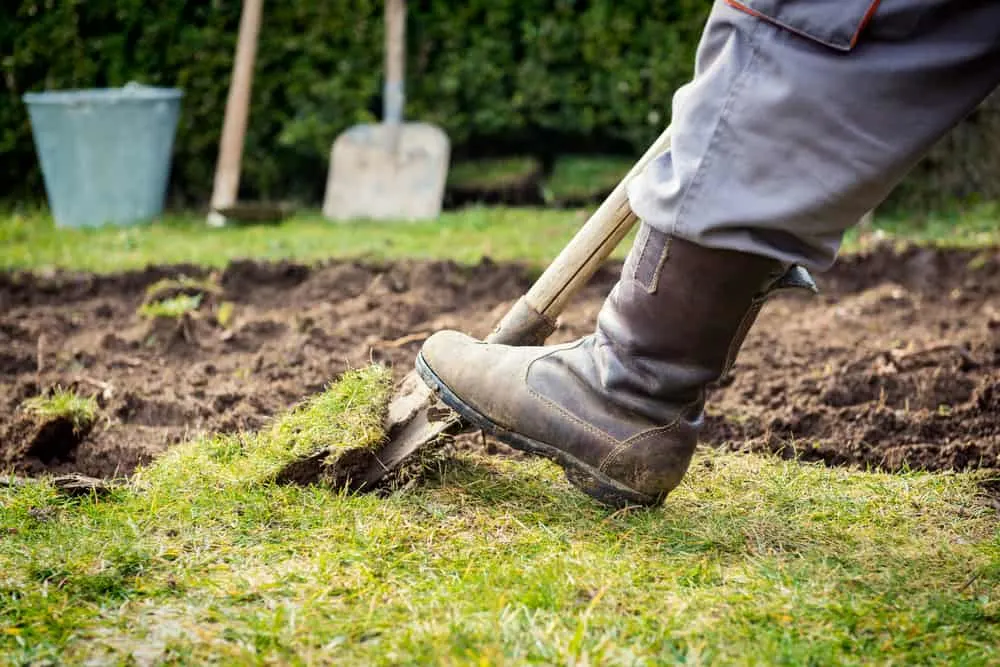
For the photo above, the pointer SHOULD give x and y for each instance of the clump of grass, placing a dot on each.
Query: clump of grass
(347, 415)
(80, 411)
(585, 177)
(171, 287)
(174, 307)
(175, 297)
(493, 174)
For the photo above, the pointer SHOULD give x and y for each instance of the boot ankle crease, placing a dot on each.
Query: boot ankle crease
(639, 399)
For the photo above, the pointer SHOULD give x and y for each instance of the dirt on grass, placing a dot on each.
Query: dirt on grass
(895, 365)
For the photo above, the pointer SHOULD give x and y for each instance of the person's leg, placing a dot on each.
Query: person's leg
(779, 144)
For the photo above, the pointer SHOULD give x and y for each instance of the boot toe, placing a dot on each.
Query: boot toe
(439, 351)
(484, 377)
(460, 362)
(456, 359)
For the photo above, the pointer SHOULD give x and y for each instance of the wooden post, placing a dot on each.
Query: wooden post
(227, 169)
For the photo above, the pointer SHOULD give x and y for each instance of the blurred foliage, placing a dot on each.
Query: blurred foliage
(583, 178)
(962, 170)
(501, 76)
(542, 78)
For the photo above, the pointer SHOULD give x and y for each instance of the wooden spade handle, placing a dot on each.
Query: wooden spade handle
(533, 317)
(393, 94)
(227, 171)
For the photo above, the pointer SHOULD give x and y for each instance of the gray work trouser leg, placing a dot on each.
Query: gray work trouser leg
(804, 114)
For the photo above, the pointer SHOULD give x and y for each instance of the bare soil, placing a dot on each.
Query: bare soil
(895, 365)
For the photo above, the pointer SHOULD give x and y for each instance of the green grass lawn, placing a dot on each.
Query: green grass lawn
(752, 560)
(535, 236)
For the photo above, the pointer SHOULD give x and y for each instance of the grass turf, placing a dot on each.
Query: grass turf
(80, 411)
(29, 240)
(752, 560)
(534, 236)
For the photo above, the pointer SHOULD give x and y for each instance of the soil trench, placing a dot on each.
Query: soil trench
(895, 365)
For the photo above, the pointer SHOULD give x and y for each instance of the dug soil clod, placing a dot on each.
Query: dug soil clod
(34, 446)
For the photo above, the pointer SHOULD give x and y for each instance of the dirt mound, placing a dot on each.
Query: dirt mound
(292, 330)
(896, 364)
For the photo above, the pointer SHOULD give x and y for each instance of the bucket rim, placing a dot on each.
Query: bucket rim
(127, 93)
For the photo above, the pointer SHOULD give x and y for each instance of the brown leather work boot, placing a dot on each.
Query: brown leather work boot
(619, 409)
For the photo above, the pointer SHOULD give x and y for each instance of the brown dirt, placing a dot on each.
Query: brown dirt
(895, 365)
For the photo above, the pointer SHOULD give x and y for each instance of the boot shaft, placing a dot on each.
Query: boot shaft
(676, 319)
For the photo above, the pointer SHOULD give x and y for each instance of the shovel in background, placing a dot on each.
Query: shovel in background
(393, 170)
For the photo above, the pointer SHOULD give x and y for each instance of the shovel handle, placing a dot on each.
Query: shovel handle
(393, 94)
(225, 188)
(533, 317)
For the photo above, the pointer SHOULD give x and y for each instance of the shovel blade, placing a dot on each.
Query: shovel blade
(414, 422)
(387, 172)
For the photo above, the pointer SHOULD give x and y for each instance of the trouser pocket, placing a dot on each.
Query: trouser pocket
(834, 23)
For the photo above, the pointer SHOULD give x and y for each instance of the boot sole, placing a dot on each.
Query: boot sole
(585, 477)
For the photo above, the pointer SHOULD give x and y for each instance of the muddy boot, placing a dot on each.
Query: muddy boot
(620, 409)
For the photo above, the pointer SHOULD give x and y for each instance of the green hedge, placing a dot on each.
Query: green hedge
(501, 76)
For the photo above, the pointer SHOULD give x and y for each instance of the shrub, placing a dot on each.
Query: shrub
(501, 76)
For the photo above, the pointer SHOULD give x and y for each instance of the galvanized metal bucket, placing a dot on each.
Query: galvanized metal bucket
(105, 153)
